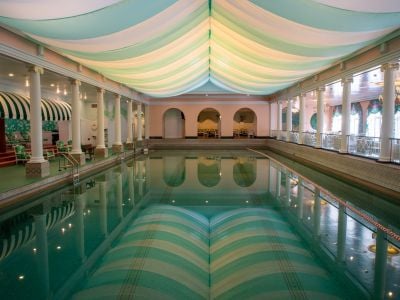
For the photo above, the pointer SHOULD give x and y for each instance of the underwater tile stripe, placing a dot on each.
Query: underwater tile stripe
(172, 260)
(262, 269)
(250, 236)
(165, 246)
(238, 253)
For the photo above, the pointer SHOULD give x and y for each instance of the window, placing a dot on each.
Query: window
(374, 122)
(337, 123)
(397, 125)
(354, 123)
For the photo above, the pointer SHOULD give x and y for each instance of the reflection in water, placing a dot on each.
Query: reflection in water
(229, 240)
(244, 171)
(209, 170)
(174, 170)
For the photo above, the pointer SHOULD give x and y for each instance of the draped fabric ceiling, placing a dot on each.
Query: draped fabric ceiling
(170, 47)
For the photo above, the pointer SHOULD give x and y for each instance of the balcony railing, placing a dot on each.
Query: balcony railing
(331, 141)
(309, 138)
(294, 136)
(364, 145)
(395, 151)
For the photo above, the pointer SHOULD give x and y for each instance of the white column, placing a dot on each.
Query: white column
(346, 107)
(320, 116)
(287, 190)
(100, 119)
(279, 120)
(129, 122)
(302, 117)
(117, 105)
(270, 119)
(139, 122)
(36, 115)
(147, 122)
(80, 204)
(389, 98)
(289, 123)
(76, 118)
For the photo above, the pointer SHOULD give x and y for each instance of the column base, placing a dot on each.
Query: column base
(101, 152)
(37, 169)
(79, 157)
(129, 146)
(117, 148)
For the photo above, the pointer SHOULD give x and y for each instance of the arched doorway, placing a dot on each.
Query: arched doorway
(209, 123)
(244, 123)
(174, 124)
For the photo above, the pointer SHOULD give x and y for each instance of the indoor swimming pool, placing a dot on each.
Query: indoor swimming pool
(202, 225)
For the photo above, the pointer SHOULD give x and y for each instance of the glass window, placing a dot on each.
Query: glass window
(374, 122)
(337, 123)
(397, 125)
(354, 123)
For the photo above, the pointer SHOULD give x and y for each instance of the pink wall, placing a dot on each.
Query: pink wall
(226, 106)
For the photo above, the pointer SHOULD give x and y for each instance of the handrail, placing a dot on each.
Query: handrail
(75, 166)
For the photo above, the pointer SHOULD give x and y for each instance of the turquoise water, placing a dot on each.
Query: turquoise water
(202, 225)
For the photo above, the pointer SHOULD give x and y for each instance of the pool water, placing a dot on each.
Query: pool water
(202, 225)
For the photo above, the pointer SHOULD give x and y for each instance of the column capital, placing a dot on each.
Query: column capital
(75, 82)
(321, 88)
(117, 96)
(390, 66)
(347, 79)
(302, 94)
(36, 69)
(100, 90)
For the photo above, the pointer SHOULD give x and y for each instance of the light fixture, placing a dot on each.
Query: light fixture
(58, 89)
(21, 277)
(65, 91)
(85, 97)
(26, 81)
(52, 84)
(10, 74)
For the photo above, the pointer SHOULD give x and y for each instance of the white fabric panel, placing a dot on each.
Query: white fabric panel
(288, 31)
(50, 9)
(145, 31)
(372, 6)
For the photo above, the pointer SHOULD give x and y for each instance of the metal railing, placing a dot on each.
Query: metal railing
(309, 138)
(70, 162)
(364, 145)
(395, 150)
(294, 136)
(331, 141)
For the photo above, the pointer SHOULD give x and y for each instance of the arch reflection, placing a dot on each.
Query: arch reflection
(245, 171)
(209, 171)
(174, 171)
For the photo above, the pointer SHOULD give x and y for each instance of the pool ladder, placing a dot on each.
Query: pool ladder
(73, 164)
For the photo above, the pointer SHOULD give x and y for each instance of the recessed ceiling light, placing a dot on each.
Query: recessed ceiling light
(52, 84)
(11, 74)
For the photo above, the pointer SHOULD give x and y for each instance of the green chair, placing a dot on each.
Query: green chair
(61, 147)
(49, 154)
(21, 154)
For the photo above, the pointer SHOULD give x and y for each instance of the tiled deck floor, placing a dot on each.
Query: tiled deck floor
(13, 177)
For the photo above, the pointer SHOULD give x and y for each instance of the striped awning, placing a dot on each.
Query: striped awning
(14, 106)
